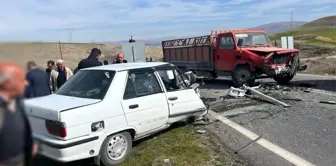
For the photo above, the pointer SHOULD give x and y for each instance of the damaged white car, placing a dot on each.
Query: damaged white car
(100, 111)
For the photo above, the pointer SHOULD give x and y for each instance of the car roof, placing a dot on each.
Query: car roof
(127, 66)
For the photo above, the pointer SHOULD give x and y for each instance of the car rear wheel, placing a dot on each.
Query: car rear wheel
(116, 149)
(242, 75)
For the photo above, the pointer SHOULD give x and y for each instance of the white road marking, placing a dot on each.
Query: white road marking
(242, 110)
(315, 75)
(294, 159)
(322, 92)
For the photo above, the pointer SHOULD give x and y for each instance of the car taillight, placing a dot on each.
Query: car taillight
(56, 128)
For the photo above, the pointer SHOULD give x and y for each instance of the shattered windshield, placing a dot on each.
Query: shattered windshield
(253, 39)
(91, 84)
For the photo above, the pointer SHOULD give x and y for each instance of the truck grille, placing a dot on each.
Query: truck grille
(280, 59)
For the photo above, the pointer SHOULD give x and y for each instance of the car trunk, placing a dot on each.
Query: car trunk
(44, 112)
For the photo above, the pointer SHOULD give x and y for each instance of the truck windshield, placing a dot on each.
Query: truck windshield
(253, 39)
(91, 84)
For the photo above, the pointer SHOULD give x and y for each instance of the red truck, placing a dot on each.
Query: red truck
(242, 54)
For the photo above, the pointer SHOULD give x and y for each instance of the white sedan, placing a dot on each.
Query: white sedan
(100, 111)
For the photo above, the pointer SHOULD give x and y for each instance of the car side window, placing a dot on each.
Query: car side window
(226, 43)
(172, 80)
(141, 84)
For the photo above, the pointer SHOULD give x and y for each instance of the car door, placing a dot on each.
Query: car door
(182, 100)
(225, 53)
(144, 101)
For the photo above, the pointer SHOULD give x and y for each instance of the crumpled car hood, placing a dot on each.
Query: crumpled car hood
(272, 49)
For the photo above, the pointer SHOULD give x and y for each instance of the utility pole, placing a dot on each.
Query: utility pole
(131, 40)
(70, 34)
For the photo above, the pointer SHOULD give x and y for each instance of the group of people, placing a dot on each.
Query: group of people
(42, 83)
(17, 147)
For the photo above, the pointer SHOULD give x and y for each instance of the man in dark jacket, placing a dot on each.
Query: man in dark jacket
(16, 142)
(91, 60)
(39, 82)
(120, 58)
(53, 74)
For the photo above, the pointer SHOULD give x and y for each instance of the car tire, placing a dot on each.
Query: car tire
(242, 75)
(116, 149)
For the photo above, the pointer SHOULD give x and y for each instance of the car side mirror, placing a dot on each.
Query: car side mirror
(240, 42)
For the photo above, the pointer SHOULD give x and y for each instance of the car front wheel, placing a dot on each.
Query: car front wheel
(116, 149)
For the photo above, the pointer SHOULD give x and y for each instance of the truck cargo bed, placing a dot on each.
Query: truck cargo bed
(189, 53)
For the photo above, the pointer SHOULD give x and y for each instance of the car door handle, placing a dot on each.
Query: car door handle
(133, 106)
(172, 98)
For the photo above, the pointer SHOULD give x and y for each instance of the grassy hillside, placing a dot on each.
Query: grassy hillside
(321, 31)
(72, 53)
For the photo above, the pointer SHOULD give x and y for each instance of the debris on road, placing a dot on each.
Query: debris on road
(248, 145)
(268, 98)
(328, 102)
(236, 92)
(167, 162)
(307, 91)
(200, 131)
(293, 99)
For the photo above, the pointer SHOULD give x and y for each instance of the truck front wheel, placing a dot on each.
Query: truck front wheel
(283, 80)
(242, 75)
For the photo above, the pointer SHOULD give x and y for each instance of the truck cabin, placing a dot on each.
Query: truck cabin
(249, 38)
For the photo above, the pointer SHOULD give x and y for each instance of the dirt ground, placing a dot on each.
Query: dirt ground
(313, 50)
(71, 53)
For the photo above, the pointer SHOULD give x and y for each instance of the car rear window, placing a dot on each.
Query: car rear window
(91, 84)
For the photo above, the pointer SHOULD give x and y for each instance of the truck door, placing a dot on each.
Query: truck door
(144, 101)
(181, 99)
(224, 58)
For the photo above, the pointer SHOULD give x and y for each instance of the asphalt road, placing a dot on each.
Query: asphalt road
(306, 129)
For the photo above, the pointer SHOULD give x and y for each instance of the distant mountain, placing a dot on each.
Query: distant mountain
(278, 27)
(322, 23)
(321, 31)
(270, 28)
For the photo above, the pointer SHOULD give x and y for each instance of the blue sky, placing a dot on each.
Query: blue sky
(109, 20)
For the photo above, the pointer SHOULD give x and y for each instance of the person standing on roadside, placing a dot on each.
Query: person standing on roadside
(120, 58)
(16, 142)
(64, 73)
(52, 73)
(91, 61)
(39, 81)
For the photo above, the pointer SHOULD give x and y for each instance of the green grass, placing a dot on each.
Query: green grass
(182, 146)
(324, 32)
(324, 36)
(321, 42)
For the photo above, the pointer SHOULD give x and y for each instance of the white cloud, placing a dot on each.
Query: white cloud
(39, 19)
